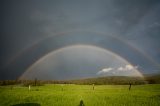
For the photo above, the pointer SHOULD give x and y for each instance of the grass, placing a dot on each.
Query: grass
(70, 95)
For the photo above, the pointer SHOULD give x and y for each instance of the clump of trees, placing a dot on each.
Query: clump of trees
(9, 82)
(32, 83)
(22, 82)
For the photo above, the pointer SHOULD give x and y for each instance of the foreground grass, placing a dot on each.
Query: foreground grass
(70, 95)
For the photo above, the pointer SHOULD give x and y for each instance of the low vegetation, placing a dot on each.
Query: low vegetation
(80, 95)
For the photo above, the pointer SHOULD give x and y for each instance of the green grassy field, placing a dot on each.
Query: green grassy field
(70, 95)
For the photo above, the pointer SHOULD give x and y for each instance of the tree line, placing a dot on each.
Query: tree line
(109, 80)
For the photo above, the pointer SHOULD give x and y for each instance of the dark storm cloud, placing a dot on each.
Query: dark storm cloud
(25, 22)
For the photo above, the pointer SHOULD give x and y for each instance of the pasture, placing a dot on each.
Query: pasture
(71, 95)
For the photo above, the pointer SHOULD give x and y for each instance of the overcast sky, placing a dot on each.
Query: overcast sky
(30, 29)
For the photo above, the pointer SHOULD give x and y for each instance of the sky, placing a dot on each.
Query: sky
(92, 37)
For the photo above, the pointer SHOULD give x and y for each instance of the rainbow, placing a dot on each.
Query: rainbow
(29, 71)
(61, 36)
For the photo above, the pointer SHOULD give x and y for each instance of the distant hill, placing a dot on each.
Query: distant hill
(113, 80)
(118, 80)
(108, 80)
(153, 79)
